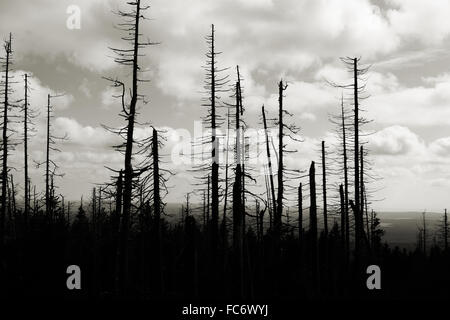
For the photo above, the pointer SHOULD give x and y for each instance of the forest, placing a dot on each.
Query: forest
(286, 234)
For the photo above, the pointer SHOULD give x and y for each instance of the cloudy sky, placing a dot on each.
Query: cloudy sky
(406, 42)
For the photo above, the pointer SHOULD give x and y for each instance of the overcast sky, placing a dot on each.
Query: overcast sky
(407, 43)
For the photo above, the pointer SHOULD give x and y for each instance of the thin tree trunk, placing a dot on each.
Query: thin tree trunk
(128, 173)
(346, 226)
(445, 231)
(238, 211)
(272, 188)
(313, 227)
(5, 144)
(300, 215)
(47, 163)
(279, 212)
(342, 203)
(214, 154)
(225, 201)
(358, 222)
(25, 150)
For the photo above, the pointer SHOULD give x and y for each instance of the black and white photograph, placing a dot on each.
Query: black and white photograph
(225, 158)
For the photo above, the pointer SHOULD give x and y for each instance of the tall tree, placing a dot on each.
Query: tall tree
(25, 150)
(313, 225)
(279, 210)
(324, 191)
(300, 214)
(269, 161)
(129, 57)
(6, 63)
(238, 205)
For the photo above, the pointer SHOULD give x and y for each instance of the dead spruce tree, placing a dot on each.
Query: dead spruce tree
(6, 63)
(279, 210)
(324, 190)
(341, 158)
(153, 185)
(357, 94)
(28, 115)
(51, 167)
(287, 132)
(313, 227)
(129, 57)
(207, 146)
(213, 84)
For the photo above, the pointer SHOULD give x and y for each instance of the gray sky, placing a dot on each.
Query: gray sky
(407, 43)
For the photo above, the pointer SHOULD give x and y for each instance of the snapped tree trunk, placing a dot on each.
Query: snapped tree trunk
(128, 172)
(313, 227)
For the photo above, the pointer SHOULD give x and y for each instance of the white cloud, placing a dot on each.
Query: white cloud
(395, 140)
(426, 21)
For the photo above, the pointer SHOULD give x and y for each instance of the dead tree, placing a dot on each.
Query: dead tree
(445, 231)
(269, 163)
(279, 212)
(26, 122)
(300, 215)
(324, 191)
(213, 84)
(129, 57)
(313, 226)
(6, 64)
(343, 213)
(357, 87)
(51, 167)
(225, 201)
(424, 232)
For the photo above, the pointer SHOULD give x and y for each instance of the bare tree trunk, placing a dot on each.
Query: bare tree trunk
(47, 164)
(324, 188)
(214, 154)
(346, 226)
(424, 235)
(361, 156)
(204, 211)
(445, 231)
(13, 199)
(300, 215)
(116, 232)
(272, 188)
(128, 173)
(313, 226)
(157, 211)
(279, 211)
(225, 201)
(5, 144)
(238, 211)
(358, 222)
(208, 204)
(25, 150)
